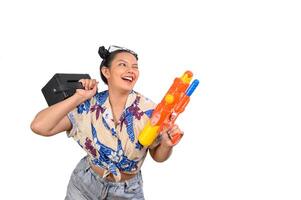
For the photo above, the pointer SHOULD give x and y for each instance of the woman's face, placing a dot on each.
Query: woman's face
(123, 72)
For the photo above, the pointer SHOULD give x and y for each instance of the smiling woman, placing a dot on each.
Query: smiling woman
(107, 125)
(119, 65)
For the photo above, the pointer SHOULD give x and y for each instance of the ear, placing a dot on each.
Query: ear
(105, 71)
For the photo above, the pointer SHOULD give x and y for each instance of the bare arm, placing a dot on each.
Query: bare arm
(53, 120)
(163, 151)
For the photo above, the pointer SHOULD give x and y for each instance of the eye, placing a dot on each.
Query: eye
(122, 64)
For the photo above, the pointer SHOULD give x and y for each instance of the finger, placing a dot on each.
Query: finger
(87, 84)
(96, 85)
(94, 88)
(171, 126)
(83, 82)
(174, 130)
(93, 83)
(174, 127)
(162, 129)
(169, 136)
(166, 136)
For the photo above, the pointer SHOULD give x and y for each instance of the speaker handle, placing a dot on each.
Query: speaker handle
(63, 88)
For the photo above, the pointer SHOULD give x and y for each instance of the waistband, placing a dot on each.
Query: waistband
(85, 165)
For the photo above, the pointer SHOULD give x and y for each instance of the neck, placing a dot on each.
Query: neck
(117, 98)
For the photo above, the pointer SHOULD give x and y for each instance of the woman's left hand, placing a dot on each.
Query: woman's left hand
(169, 133)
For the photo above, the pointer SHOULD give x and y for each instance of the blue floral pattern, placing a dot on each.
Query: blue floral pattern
(111, 145)
(149, 112)
(111, 158)
(84, 107)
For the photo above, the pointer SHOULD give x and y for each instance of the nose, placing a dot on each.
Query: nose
(130, 70)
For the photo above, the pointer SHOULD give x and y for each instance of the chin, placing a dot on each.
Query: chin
(128, 89)
(125, 87)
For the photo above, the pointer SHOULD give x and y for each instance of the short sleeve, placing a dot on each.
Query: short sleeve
(80, 118)
(148, 106)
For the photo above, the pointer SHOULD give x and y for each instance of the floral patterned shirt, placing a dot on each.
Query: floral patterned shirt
(113, 148)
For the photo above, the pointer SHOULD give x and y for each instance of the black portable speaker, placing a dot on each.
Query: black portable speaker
(62, 86)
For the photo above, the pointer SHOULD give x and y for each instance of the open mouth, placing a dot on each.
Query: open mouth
(128, 79)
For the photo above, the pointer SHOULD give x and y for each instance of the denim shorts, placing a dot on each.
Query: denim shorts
(85, 184)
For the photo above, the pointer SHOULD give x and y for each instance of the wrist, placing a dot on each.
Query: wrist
(78, 98)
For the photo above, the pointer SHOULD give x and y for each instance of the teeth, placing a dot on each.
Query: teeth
(128, 78)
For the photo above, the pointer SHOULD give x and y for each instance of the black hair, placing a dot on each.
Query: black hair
(108, 57)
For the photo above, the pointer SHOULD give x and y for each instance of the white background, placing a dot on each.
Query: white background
(242, 127)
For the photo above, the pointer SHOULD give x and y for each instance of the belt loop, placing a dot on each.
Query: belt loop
(88, 165)
(126, 183)
(104, 192)
(87, 168)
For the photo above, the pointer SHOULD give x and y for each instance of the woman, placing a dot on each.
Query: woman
(106, 125)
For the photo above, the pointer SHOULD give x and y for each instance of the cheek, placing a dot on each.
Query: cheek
(137, 74)
(116, 77)
(116, 73)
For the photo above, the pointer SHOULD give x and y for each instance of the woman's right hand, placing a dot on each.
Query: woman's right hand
(90, 88)
(53, 119)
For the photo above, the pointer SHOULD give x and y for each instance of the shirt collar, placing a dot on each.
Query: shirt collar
(130, 100)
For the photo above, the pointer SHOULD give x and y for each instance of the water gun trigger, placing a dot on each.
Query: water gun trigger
(175, 138)
(173, 116)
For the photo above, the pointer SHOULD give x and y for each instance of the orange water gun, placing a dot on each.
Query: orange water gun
(167, 111)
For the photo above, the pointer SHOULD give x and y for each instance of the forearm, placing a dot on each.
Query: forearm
(48, 118)
(161, 153)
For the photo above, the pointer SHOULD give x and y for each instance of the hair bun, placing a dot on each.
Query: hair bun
(103, 52)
